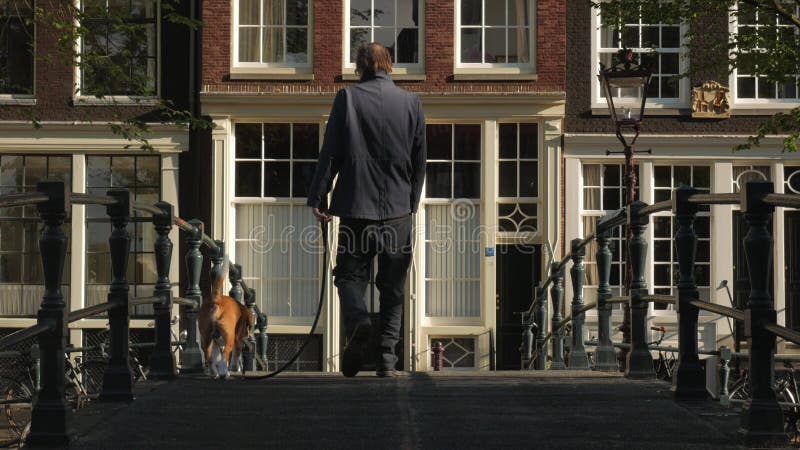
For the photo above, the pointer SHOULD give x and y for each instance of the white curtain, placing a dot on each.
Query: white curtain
(521, 21)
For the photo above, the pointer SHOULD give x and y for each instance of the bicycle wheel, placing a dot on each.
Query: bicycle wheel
(18, 401)
(92, 372)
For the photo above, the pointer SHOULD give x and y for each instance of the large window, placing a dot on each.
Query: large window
(665, 259)
(518, 177)
(657, 47)
(119, 50)
(272, 33)
(394, 23)
(452, 256)
(494, 33)
(16, 47)
(141, 175)
(756, 25)
(21, 277)
(276, 237)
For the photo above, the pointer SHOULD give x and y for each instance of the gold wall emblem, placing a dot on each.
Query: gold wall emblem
(711, 100)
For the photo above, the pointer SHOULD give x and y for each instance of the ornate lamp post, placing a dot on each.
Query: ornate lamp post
(626, 77)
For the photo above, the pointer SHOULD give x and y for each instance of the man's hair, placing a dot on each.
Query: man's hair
(372, 58)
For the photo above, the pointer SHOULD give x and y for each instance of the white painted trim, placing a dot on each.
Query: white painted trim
(84, 137)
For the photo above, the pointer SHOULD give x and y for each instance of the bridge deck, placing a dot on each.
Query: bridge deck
(427, 411)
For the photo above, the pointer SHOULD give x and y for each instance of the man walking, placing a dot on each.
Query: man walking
(375, 142)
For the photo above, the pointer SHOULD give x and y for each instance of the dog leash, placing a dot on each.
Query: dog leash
(324, 228)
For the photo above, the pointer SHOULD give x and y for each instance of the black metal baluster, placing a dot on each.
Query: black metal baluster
(578, 359)
(762, 418)
(604, 357)
(689, 381)
(557, 295)
(162, 360)
(118, 377)
(51, 417)
(250, 347)
(640, 361)
(539, 315)
(191, 357)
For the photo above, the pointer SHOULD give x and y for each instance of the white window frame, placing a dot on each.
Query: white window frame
(81, 99)
(754, 103)
(466, 71)
(527, 236)
(286, 71)
(25, 99)
(599, 103)
(399, 71)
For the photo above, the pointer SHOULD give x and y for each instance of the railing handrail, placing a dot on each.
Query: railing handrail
(781, 331)
(90, 311)
(22, 199)
(667, 299)
(666, 205)
(716, 199)
(22, 335)
(719, 309)
(784, 200)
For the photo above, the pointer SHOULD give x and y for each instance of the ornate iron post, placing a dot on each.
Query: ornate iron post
(539, 317)
(263, 338)
(557, 295)
(526, 351)
(250, 347)
(51, 417)
(191, 357)
(217, 261)
(689, 381)
(437, 354)
(578, 359)
(640, 361)
(604, 357)
(236, 291)
(118, 377)
(762, 418)
(162, 360)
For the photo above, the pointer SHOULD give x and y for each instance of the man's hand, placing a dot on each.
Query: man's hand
(320, 216)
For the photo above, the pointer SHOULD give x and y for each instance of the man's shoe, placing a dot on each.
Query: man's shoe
(354, 349)
(386, 373)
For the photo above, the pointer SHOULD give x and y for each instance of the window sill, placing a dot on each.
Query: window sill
(115, 100)
(394, 76)
(761, 109)
(12, 100)
(494, 76)
(649, 111)
(272, 73)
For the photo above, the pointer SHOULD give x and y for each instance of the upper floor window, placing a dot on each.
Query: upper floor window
(755, 28)
(494, 34)
(119, 49)
(271, 33)
(397, 24)
(16, 47)
(657, 46)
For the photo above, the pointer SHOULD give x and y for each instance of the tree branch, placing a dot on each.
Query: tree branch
(781, 10)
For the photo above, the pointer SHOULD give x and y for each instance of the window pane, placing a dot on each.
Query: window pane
(10, 268)
(437, 180)
(702, 177)
(611, 199)
(467, 180)
(518, 40)
(11, 170)
(384, 12)
(766, 89)
(98, 171)
(650, 37)
(662, 176)
(683, 176)
(147, 171)
(467, 142)
(518, 12)
(745, 87)
(471, 46)
(507, 179)
(670, 37)
(528, 140)
(273, 12)
(439, 141)
(496, 13)
(408, 46)
(123, 171)
(248, 44)
(297, 12)
(276, 179)
(385, 36)
(303, 173)
(407, 13)
(661, 250)
(248, 179)
(273, 45)
(358, 37)
(276, 140)
(248, 140)
(305, 144)
(248, 12)
(662, 227)
(471, 12)
(360, 11)
(591, 198)
(496, 45)
(508, 140)
(297, 45)
(528, 179)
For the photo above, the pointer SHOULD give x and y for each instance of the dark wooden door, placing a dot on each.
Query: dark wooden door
(518, 271)
(741, 276)
(791, 242)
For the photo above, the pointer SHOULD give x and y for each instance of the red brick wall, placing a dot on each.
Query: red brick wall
(328, 22)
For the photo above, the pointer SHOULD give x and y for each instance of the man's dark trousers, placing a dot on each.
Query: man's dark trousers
(360, 240)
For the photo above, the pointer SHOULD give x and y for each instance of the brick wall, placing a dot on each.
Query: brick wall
(328, 23)
(580, 75)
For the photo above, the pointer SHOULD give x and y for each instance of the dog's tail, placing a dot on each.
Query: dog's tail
(216, 290)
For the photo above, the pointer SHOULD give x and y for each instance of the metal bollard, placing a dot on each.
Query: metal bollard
(605, 358)
(191, 357)
(539, 314)
(263, 338)
(640, 361)
(118, 377)
(438, 356)
(526, 351)
(557, 296)
(578, 359)
(724, 375)
(162, 360)
(51, 417)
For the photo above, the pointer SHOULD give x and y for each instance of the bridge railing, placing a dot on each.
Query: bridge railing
(50, 415)
(762, 418)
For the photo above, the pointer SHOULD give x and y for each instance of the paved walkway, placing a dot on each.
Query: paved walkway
(509, 410)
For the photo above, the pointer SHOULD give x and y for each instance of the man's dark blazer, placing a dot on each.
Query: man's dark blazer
(375, 142)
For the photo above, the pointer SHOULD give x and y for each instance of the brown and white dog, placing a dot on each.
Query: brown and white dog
(224, 325)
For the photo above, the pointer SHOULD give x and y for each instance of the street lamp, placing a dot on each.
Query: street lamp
(626, 79)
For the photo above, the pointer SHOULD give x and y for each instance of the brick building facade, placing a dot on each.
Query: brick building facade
(491, 75)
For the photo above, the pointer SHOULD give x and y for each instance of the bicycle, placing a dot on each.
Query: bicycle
(664, 365)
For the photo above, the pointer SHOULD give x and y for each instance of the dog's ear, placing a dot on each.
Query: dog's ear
(220, 281)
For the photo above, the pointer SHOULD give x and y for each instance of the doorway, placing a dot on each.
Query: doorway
(791, 241)
(518, 272)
